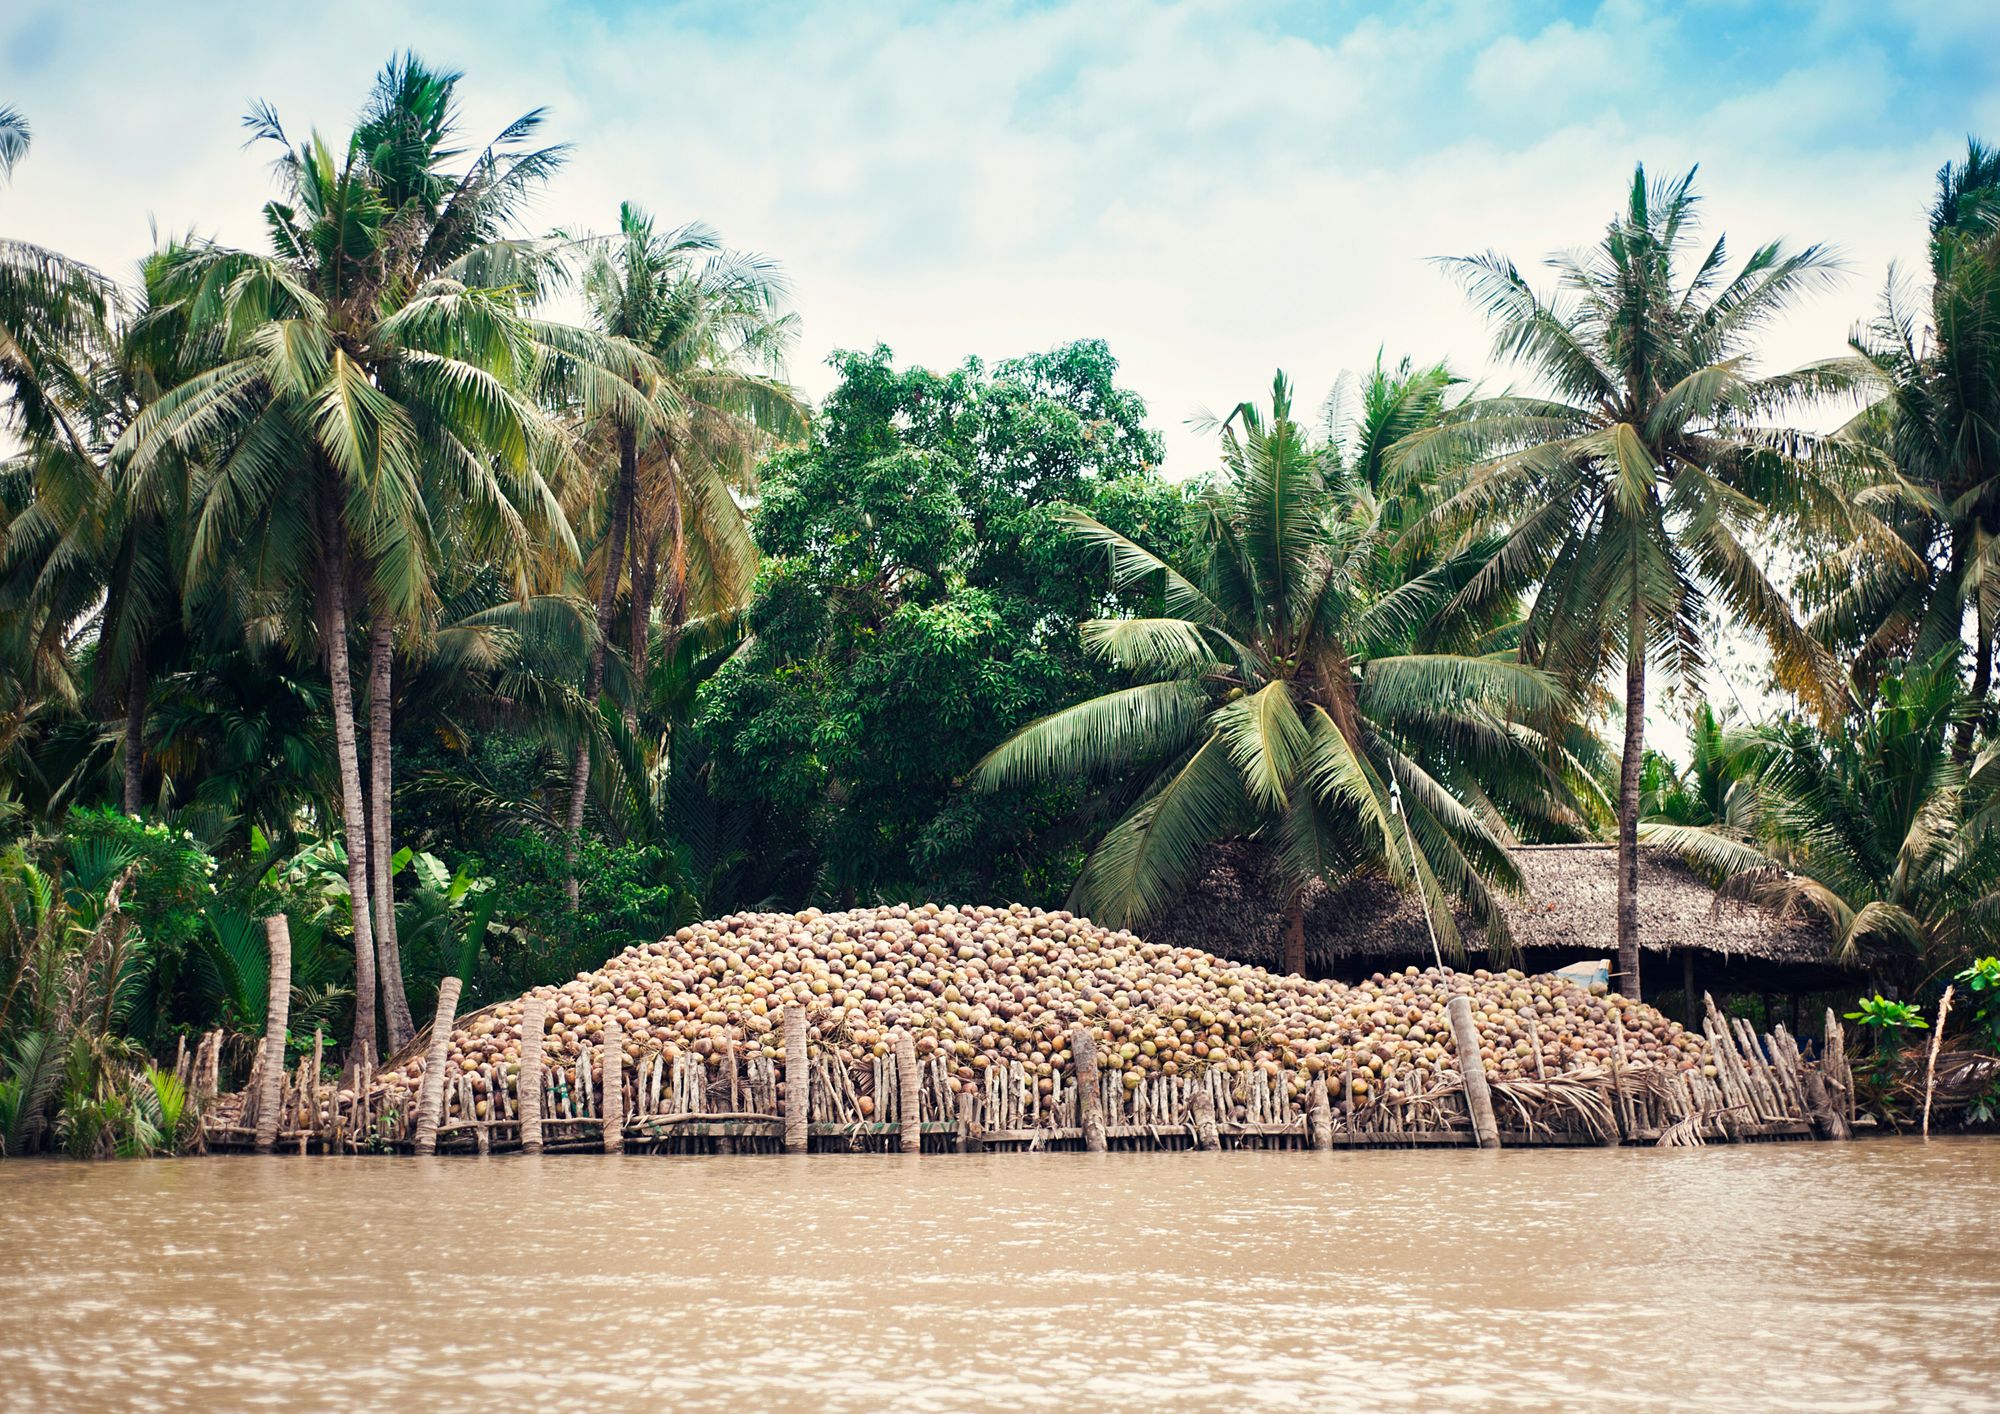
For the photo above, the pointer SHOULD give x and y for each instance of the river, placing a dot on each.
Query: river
(1857, 1276)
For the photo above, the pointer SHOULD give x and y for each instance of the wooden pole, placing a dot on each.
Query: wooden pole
(1322, 1115)
(909, 1094)
(1930, 1067)
(1691, 1001)
(798, 1086)
(1478, 1096)
(1833, 1060)
(1205, 1136)
(319, 1042)
(612, 1090)
(968, 1129)
(277, 1014)
(528, 1086)
(1089, 1093)
(430, 1099)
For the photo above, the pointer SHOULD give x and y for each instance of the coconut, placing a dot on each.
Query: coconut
(987, 986)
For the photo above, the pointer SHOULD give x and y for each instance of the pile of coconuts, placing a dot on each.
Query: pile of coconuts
(986, 986)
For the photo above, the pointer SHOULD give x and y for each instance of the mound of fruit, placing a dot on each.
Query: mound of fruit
(987, 986)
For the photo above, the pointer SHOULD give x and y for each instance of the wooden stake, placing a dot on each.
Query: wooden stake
(612, 1088)
(319, 1042)
(430, 1099)
(1089, 1093)
(798, 1085)
(528, 1087)
(968, 1127)
(1930, 1067)
(277, 1013)
(1478, 1096)
(1322, 1115)
(909, 1091)
(1205, 1136)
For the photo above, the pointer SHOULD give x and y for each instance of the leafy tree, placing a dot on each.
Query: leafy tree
(1629, 492)
(1284, 696)
(918, 599)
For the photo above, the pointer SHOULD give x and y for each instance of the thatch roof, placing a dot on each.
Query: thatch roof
(1569, 911)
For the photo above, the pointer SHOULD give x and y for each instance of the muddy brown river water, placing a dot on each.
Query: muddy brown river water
(1828, 1277)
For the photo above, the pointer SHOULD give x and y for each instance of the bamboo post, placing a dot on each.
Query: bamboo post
(277, 1013)
(1535, 1040)
(612, 1087)
(430, 1099)
(1930, 1066)
(909, 1095)
(528, 1086)
(968, 1129)
(1625, 1114)
(1089, 1093)
(798, 1086)
(1478, 1096)
(1322, 1115)
(1205, 1136)
(1833, 1059)
(319, 1043)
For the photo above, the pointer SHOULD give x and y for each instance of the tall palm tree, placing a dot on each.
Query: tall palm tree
(1629, 491)
(1925, 566)
(1283, 696)
(715, 323)
(355, 380)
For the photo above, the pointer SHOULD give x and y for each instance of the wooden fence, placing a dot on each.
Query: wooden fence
(743, 1100)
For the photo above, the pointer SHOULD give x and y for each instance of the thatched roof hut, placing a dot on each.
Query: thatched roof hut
(1567, 914)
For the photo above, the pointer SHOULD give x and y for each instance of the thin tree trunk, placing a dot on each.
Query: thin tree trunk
(1295, 937)
(676, 605)
(354, 815)
(1628, 803)
(638, 562)
(1982, 681)
(381, 885)
(135, 733)
(607, 596)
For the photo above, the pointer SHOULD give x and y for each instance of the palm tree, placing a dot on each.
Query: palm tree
(714, 321)
(1283, 697)
(1630, 493)
(1928, 560)
(1876, 827)
(14, 138)
(356, 380)
(52, 313)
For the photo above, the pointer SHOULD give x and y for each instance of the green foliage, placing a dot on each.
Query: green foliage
(1878, 1013)
(1875, 826)
(920, 597)
(1981, 981)
(1293, 688)
(631, 893)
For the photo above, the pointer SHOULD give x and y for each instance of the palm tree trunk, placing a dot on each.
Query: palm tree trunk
(381, 887)
(135, 733)
(1295, 937)
(1628, 803)
(607, 597)
(1982, 682)
(354, 815)
(639, 620)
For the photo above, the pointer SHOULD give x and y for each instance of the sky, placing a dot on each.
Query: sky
(1218, 190)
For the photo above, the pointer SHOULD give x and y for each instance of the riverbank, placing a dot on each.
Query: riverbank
(1854, 1275)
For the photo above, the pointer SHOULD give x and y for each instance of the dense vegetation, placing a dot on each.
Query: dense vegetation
(341, 577)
